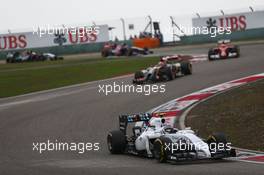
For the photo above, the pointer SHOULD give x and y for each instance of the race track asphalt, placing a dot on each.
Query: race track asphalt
(82, 114)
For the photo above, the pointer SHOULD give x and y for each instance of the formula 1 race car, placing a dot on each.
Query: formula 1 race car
(224, 50)
(167, 69)
(52, 57)
(30, 56)
(25, 56)
(110, 49)
(155, 139)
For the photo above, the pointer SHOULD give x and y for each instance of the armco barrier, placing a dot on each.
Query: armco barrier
(68, 49)
(250, 34)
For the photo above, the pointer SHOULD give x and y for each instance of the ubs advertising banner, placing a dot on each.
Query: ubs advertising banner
(236, 22)
(48, 37)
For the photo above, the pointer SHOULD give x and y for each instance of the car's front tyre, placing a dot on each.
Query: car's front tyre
(160, 150)
(186, 68)
(237, 51)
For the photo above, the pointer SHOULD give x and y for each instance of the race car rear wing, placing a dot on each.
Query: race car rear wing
(125, 119)
(225, 41)
(176, 58)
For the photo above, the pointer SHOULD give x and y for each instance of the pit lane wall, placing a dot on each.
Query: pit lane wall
(58, 42)
(243, 26)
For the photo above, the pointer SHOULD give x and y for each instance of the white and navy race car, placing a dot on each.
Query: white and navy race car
(51, 56)
(30, 56)
(157, 140)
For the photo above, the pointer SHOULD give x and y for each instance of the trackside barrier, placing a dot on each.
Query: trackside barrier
(68, 49)
(249, 34)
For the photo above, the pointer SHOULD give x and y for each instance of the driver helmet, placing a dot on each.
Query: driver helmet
(157, 122)
(162, 63)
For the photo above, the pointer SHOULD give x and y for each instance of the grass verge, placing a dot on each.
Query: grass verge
(16, 79)
(239, 113)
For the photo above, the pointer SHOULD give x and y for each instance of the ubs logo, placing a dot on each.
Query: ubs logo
(211, 23)
(59, 38)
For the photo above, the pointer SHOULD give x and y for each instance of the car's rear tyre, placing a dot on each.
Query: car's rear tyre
(145, 51)
(105, 53)
(216, 139)
(236, 50)
(116, 141)
(139, 74)
(13, 60)
(165, 73)
(60, 58)
(159, 151)
(173, 73)
(129, 52)
(210, 54)
(186, 68)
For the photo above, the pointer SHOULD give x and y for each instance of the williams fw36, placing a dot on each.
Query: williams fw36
(152, 138)
(30, 56)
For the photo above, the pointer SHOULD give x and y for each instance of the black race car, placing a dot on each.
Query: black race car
(167, 69)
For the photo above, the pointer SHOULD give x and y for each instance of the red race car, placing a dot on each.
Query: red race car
(113, 49)
(224, 50)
